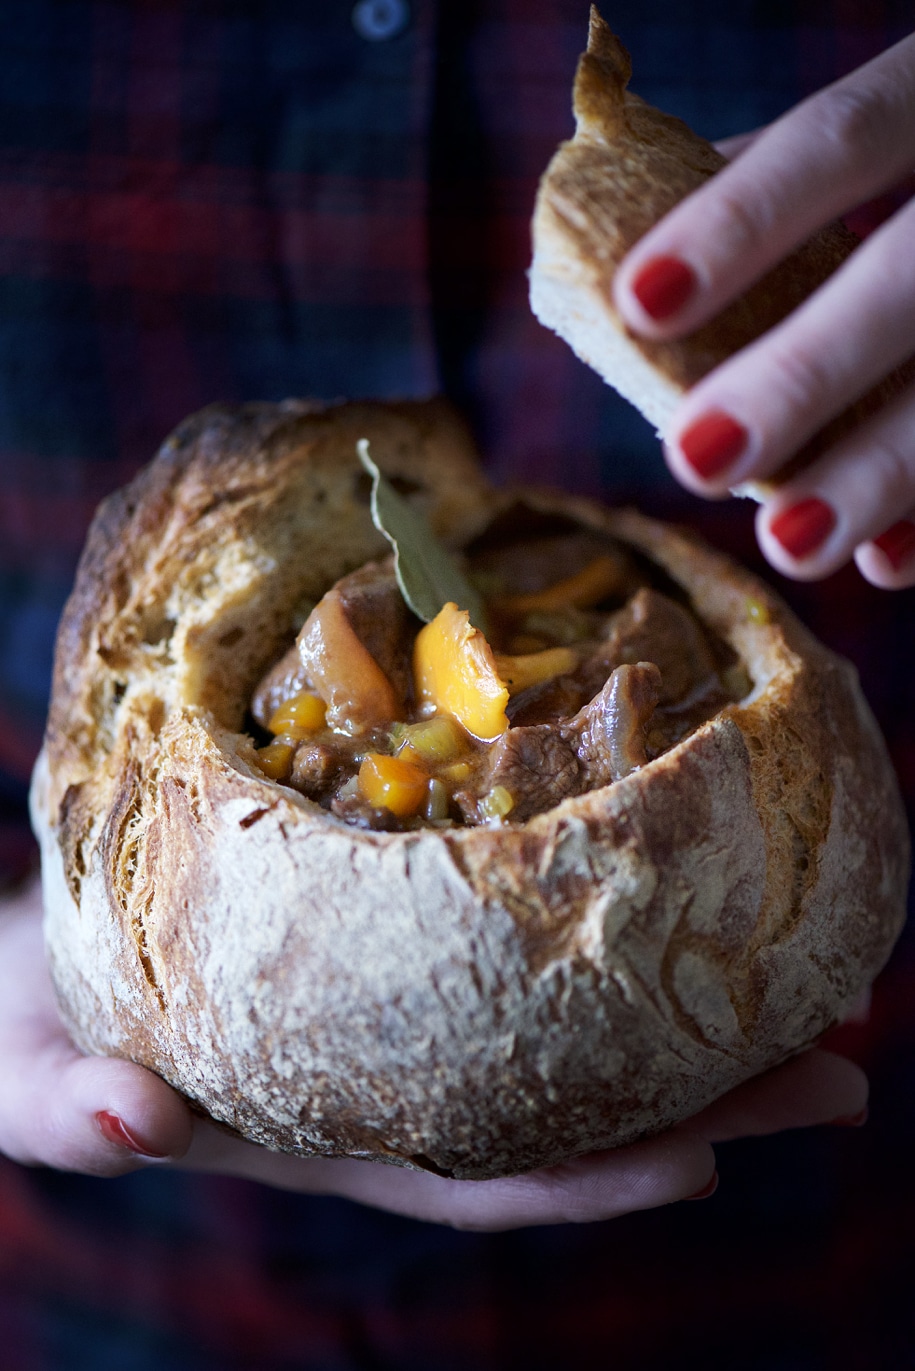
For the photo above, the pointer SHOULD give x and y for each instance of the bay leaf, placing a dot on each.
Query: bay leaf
(427, 573)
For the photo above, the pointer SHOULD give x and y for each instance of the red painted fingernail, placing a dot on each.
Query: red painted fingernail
(804, 527)
(113, 1128)
(663, 286)
(898, 543)
(713, 443)
(851, 1120)
(706, 1190)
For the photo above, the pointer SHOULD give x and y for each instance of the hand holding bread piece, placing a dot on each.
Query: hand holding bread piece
(779, 360)
(700, 863)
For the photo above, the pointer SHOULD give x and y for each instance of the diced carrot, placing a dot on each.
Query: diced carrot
(299, 716)
(391, 783)
(531, 668)
(601, 577)
(275, 759)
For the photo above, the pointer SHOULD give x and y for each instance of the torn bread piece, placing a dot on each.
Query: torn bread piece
(627, 166)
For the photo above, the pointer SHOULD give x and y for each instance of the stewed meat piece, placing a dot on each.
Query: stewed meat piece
(541, 764)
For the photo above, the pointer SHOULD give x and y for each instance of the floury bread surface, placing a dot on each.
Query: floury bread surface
(477, 1001)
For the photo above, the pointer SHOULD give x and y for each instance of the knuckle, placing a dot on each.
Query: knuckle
(742, 218)
(850, 116)
(894, 476)
(801, 379)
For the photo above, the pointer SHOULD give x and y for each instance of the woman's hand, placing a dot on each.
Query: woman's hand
(817, 1087)
(96, 1115)
(743, 421)
(105, 1117)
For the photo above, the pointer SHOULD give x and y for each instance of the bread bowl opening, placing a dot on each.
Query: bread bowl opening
(593, 662)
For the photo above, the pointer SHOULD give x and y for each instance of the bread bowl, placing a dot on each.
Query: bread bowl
(474, 998)
(626, 167)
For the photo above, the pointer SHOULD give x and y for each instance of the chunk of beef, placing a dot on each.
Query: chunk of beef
(322, 766)
(654, 628)
(558, 698)
(542, 764)
(611, 727)
(537, 765)
(381, 620)
(357, 812)
(377, 614)
(317, 768)
(651, 628)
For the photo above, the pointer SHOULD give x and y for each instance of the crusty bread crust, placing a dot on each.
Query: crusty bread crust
(477, 1001)
(626, 167)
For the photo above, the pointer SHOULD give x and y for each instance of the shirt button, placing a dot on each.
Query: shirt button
(377, 20)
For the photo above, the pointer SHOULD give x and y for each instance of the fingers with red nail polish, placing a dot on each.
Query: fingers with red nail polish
(663, 286)
(707, 1190)
(712, 444)
(58, 1108)
(857, 1120)
(114, 1130)
(857, 500)
(802, 529)
(888, 560)
(796, 361)
(898, 544)
(795, 533)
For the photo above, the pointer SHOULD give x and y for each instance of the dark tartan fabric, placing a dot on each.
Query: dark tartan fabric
(238, 200)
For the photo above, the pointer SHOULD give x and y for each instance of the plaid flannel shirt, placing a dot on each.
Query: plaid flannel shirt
(260, 198)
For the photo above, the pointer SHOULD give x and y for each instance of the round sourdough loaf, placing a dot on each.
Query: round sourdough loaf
(475, 1001)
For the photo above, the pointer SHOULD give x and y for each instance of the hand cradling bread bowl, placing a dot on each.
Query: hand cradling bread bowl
(626, 167)
(663, 851)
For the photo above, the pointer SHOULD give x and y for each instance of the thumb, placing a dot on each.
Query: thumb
(105, 1117)
(58, 1108)
(96, 1115)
